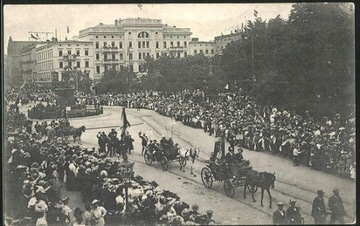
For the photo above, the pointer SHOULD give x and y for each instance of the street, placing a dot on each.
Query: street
(296, 183)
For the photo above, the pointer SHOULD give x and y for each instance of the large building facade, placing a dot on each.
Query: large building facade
(13, 73)
(201, 47)
(222, 41)
(128, 42)
(56, 58)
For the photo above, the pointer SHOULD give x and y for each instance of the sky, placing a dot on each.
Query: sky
(205, 20)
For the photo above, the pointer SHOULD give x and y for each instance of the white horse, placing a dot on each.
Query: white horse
(184, 155)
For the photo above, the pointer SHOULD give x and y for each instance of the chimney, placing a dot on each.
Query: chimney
(116, 22)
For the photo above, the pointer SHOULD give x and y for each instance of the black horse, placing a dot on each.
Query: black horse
(264, 180)
(76, 133)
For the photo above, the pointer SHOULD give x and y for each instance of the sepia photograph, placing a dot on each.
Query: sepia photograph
(178, 114)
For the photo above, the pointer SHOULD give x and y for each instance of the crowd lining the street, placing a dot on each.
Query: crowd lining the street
(327, 144)
(37, 163)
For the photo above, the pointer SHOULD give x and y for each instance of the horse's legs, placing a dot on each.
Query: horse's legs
(268, 191)
(253, 192)
(262, 196)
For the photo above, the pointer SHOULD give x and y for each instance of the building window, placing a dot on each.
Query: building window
(77, 63)
(130, 44)
(139, 56)
(77, 52)
(147, 54)
(178, 54)
(143, 44)
(112, 36)
(170, 36)
(164, 44)
(212, 51)
(201, 51)
(86, 52)
(195, 51)
(112, 43)
(105, 43)
(147, 44)
(98, 69)
(120, 45)
(104, 36)
(131, 67)
(97, 56)
(113, 56)
(60, 64)
(96, 36)
(96, 45)
(185, 44)
(139, 44)
(185, 54)
(130, 56)
(206, 51)
(86, 63)
(129, 33)
(70, 64)
(171, 44)
(60, 52)
(69, 52)
(121, 56)
(157, 45)
(157, 55)
(178, 44)
(156, 32)
(144, 56)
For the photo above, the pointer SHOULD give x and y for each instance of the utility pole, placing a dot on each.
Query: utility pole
(252, 54)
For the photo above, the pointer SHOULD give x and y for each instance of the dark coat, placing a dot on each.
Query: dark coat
(279, 217)
(318, 207)
(293, 215)
(336, 206)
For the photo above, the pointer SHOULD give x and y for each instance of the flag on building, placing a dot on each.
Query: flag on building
(125, 122)
(140, 6)
(32, 36)
(68, 29)
(255, 13)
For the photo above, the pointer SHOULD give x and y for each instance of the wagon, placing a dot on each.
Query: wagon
(168, 154)
(229, 175)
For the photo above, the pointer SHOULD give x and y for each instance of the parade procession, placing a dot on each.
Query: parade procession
(140, 123)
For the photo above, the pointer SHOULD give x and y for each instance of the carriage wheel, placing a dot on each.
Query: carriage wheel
(164, 163)
(229, 188)
(182, 162)
(206, 177)
(148, 158)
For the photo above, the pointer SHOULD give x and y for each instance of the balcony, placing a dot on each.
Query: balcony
(71, 57)
(111, 61)
(109, 48)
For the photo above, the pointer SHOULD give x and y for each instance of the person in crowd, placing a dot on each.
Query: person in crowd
(279, 215)
(65, 211)
(293, 213)
(98, 213)
(318, 211)
(144, 141)
(336, 207)
(78, 218)
(87, 215)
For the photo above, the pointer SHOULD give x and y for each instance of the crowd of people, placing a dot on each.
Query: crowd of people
(326, 144)
(37, 165)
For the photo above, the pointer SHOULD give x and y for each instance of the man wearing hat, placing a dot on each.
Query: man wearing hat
(293, 213)
(208, 218)
(337, 207)
(318, 211)
(279, 216)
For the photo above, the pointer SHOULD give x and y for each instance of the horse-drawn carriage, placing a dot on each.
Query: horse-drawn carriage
(233, 175)
(236, 174)
(164, 155)
(168, 153)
